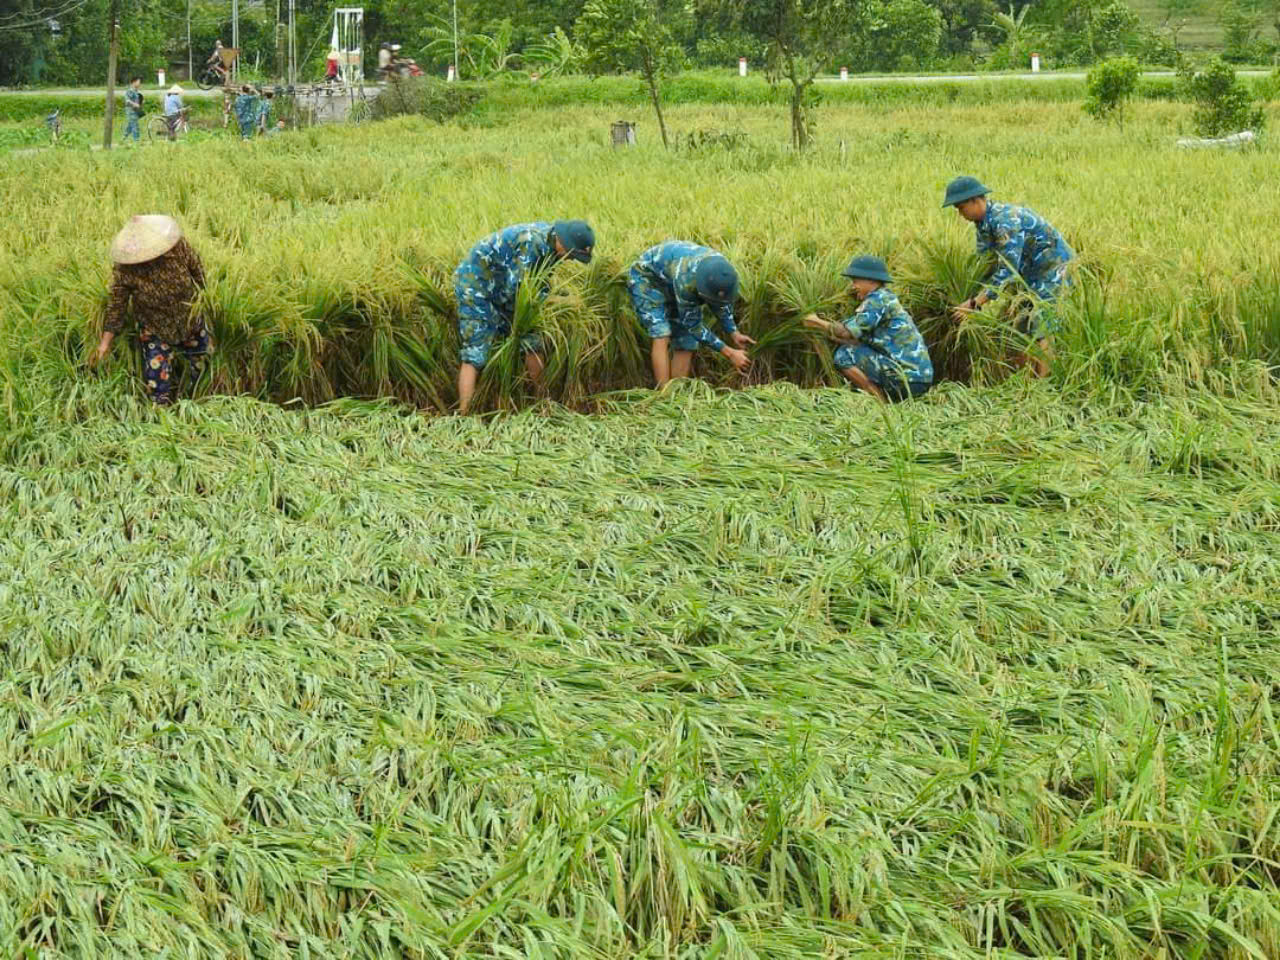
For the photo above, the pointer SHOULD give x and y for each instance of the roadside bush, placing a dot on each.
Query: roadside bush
(1110, 86)
(428, 97)
(1223, 104)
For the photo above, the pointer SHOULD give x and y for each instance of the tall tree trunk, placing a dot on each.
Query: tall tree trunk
(112, 53)
(651, 78)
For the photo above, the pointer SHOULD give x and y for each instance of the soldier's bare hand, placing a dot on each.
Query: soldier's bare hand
(958, 313)
(738, 358)
(740, 339)
(815, 322)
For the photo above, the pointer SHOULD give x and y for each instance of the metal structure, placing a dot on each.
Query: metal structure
(348, 40)
(292, 73)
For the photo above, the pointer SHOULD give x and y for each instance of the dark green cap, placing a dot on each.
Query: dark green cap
(716, 280)
(578, 238)
(963, 188)
(868, 268)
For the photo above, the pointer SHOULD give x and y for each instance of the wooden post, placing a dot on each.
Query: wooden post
(114, 51)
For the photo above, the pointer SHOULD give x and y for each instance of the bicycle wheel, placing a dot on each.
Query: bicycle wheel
(209, 79)
(157, 128)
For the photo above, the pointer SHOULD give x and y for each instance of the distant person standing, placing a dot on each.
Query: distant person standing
(264, 111)
(331, 66)
(384, 61)
(1027, 247)
(173, 110)
(246, 111)
(133, 109)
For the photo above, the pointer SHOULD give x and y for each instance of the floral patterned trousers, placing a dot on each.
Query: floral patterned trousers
(157, 361)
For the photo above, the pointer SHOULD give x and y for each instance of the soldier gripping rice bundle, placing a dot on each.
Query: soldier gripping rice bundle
(882, 353)
(1027, 247)
(669, 285)
(486, 284)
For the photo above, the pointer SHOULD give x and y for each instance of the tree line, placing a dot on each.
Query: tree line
(65, 41)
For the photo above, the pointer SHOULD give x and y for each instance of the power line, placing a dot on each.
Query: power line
(43, 21)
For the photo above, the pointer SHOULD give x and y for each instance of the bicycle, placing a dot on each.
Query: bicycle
(158, 126)
(54, 122)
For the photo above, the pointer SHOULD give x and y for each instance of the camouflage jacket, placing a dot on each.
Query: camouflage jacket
(1026, 244)
(672, 266)
(883, 324)
(496, 266)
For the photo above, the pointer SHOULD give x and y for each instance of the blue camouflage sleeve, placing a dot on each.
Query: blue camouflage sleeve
(691, 318)
(864, 319)
(724, 314)
(1010, 237)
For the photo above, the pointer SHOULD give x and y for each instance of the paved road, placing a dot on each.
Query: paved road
(970, 77)
(372, 88)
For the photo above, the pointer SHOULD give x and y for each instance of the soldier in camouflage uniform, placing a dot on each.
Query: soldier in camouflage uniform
(669, 285)
(486, 284)
(1027, 247)
(883, 354)
(246, 111)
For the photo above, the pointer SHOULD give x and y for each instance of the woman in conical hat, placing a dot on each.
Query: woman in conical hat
(157, 276)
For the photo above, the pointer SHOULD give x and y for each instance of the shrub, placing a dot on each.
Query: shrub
(426, 96)
(1110, 85)
(1223, 103)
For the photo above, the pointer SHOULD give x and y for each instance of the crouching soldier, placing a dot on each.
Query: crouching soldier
(487, 281)
(882, 352)
(159, 275)
(669, 285)
(1027, 247)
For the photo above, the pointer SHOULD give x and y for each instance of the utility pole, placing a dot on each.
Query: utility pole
(455, 41)
(114, 50)
(280, 66)
(191, 71)
(235, 36)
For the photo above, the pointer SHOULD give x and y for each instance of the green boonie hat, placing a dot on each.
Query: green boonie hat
(716, 280)
(963, 188)
(868, 268)
(578, 238)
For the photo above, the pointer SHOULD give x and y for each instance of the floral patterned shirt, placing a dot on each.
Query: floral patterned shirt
(161, 293)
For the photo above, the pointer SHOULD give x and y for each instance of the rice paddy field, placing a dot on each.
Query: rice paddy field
(742, 669)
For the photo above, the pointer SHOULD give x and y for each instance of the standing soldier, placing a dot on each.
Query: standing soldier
(1026, 246)
(133, 109)
(264, 111)
(883, 353)
(669, 285)
(159, 275)
(246, 111)
(487, 281)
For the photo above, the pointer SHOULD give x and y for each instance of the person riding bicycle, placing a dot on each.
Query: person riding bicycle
(221, 59)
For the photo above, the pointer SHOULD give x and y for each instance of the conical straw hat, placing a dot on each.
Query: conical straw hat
(175, 89)
(145, 237)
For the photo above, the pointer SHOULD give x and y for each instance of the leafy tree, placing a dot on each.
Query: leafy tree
(897, 35)
(1110, 86)
(1176, 14)
(1015, 30)
(1240, 22)
(799, 39)
(629, 35)
(963, 21)
(1223, 103)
